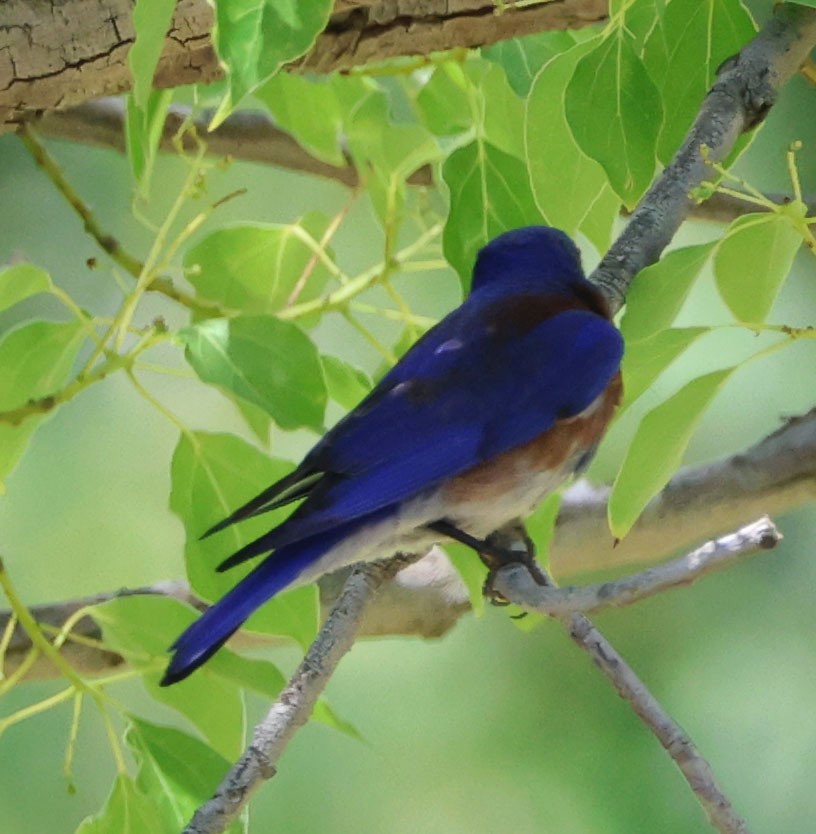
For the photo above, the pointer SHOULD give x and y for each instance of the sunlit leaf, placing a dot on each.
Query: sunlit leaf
(177, 771)
(346, 385)
(257, 267)
(315, 110)
(264, 360)
(753, 261)
(660, 290)
(20, 282)
(614, 111)
(254, 38)
(142, 628)
(645, 360)
(35, 361)
(212, 475)
(489, 194)
(151, 22)
(386, 153)
(688, 44)
(127, 811)
(657, 449)
(143, 131)
(523, 57)
(571, 190)
(324, 713)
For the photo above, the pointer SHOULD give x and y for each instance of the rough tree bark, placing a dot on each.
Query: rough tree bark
(58, 54)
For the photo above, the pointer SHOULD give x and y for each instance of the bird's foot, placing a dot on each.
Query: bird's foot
(509, 546)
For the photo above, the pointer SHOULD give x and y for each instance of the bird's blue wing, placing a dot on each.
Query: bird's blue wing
(471, 391)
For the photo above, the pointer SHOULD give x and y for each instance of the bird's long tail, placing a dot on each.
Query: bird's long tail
(217, 624)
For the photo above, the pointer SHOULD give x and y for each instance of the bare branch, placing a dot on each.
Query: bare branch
(296, 702)
(514, 581)
(56, 57)
(746, 88)
(253, 136)
(677, 743)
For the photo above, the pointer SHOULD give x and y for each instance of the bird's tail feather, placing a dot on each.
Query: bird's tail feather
(217, 624)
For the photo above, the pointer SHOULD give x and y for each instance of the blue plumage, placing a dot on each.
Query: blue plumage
(532, 345)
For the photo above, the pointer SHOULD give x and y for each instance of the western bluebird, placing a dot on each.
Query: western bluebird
(491, 410)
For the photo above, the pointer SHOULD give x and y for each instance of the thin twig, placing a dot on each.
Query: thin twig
(671, 735)
(295, 704)
(513, 581)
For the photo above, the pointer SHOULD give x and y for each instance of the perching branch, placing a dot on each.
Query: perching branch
(746, 88)
(53, 60)
(427, 599)
(295, 703)
(514, 581)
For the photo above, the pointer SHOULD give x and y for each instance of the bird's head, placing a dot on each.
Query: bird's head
(538, 257)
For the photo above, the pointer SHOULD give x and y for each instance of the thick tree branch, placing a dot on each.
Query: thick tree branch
(746, 88)
(55, 56)
(427, 598)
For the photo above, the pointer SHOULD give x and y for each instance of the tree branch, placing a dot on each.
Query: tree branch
(296, 702)
(56, 57)
(427, 598)
(253, 136)
(746, 88)
(515, 582)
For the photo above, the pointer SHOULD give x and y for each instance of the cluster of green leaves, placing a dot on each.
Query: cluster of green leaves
(562, 128)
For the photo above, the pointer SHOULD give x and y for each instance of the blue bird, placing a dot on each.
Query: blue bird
(491, 410)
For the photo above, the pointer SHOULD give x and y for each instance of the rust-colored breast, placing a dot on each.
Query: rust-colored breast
(554, 450)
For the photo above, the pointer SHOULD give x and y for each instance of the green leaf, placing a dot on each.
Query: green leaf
(489, 194)
(20, 282)
(259, 676)
(753, 261)
(151, 22)
(315, 110)
(35, 361)
(178, 772)
(386, 154)
(442, 102)
(614, 111)
(264, 360)
(256, 267)
(324, 713)
(660, 290)
(541, 525)
(141, 628)
(645, 360)
(571, 190)
(127, 811)
(473, 572)
(521, 58)
(143, 131)
(211, 475)
(657, 449)
(502, 111)
(682, 54)
(255, 38)
(346, 385)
